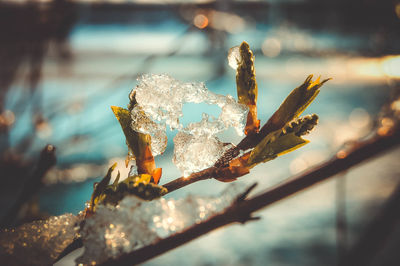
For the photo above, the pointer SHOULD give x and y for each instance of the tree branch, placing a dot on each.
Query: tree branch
(361, 151)
(376, 234)
(47, 160)
(184, 181)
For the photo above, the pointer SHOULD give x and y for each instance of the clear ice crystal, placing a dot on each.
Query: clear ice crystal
(234, 115)
(195, 153)
(234, 57)
(39, 242)
(161, 98)
(143, 124)
(204, 127)
(134, 223)
(133, 170)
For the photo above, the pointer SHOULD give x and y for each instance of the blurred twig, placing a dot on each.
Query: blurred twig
(341, 226)
(378, 231)
(76, 243)
(242, 211)
(47, 160)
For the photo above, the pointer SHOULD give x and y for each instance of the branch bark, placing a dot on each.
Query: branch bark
(184, 181)
(242, 211)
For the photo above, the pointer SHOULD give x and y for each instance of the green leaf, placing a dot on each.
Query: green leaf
(246, 76)
(247, 89)
(137, 142)
(298, 100)
(273, 146)
(137, 185)
(283, 141)
(101, 187)
(301, 125)
(115, 184)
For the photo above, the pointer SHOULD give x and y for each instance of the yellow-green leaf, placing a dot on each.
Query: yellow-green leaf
(101, 187)
(115, 183)
(273, 146)
(137, 142)
(247, 89)
(301, 125)
(138, 185)
(298, 100)
(246, 76)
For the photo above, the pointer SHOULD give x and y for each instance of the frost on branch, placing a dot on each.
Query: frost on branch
(135, 223)
(161, 98)
(39, 242)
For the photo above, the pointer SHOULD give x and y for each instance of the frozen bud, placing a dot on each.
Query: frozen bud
(160, 99)
(143, 124)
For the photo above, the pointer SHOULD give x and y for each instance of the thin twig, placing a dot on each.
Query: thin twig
(341, 220)
(378, 231)
(76, 243)
(347, 159)
(47, 160)
(184, 181)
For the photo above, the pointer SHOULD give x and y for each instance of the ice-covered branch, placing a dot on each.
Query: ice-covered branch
(267, 143)
(241, 211)
(264, 148)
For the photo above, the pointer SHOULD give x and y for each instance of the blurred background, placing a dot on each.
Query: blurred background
(64, 63)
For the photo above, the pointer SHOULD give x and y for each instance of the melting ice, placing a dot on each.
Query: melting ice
(234, 57)
(192, 154)
(143, 124)
(134, 223)
(161, 98)
(39, 242)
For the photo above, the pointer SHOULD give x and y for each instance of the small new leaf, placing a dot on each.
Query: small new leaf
(283, 141)
(301, 126)
(297, 101)
(266, 151)
(138, 185)
(247, 89)
(138, 143)
(101, 187)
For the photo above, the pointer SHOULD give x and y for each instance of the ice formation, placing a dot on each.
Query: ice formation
(193, 154)
(143, 124)
(161, 98)
(234, 57)
(39, 242)
(134, 223)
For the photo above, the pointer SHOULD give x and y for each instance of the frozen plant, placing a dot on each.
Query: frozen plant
(160, 98)
(157, 101)
(126, 215)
